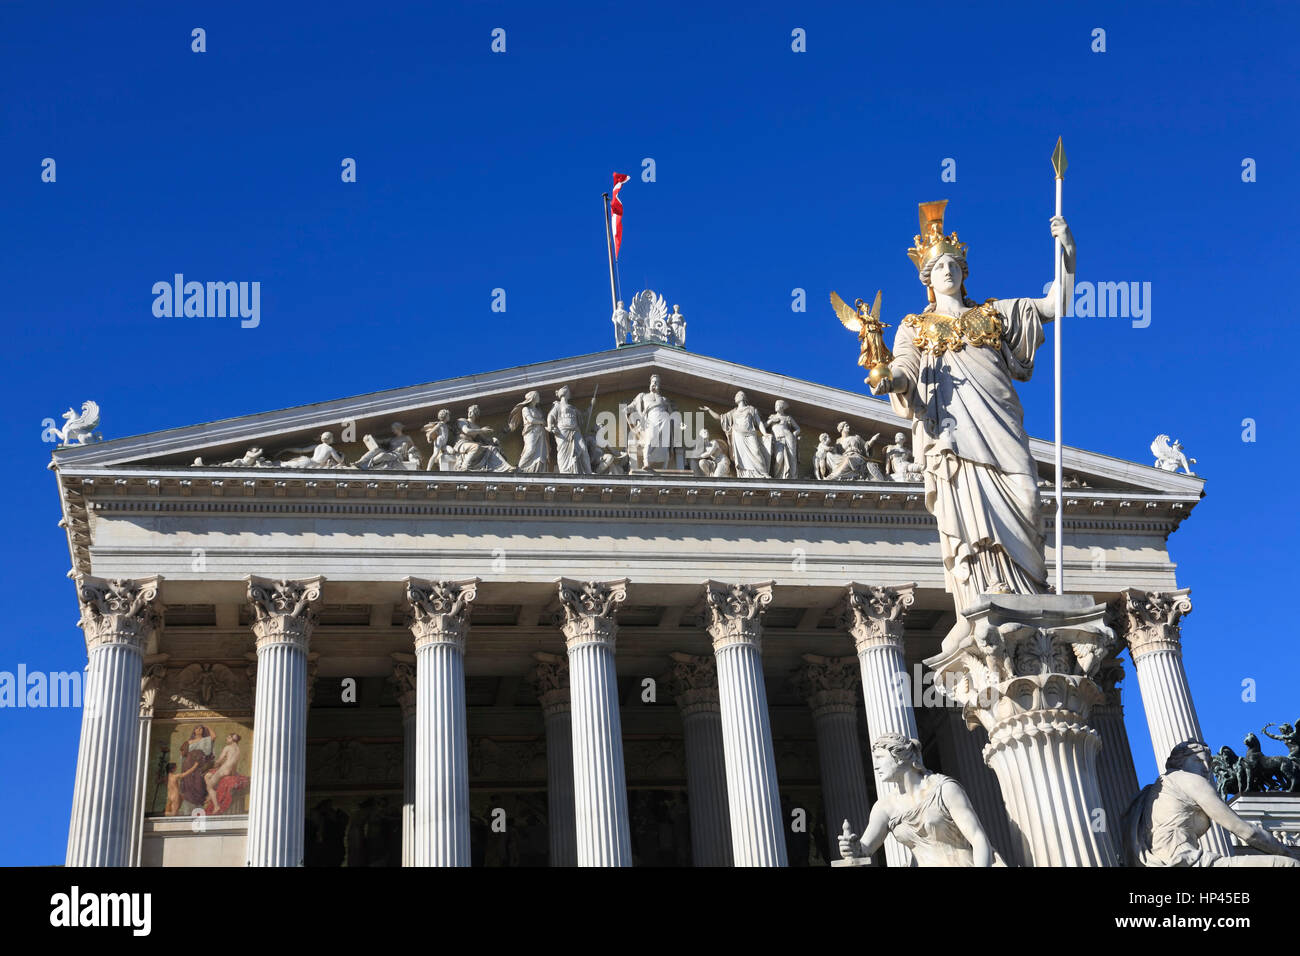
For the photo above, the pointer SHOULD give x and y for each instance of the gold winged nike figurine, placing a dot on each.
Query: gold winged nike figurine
(866, 322)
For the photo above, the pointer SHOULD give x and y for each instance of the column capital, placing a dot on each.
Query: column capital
(550, 680)
(1108, 677)
(588, 610)
(1016, 660)
(693, 682)
(735, 612)
(438, 612)
(873, 616)
(1149, 621)
(151, 678)
(284, 612)
(122, 611)
(403, 680)
(828, 684)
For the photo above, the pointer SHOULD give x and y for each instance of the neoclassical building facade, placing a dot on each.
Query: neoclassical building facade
(475, 622)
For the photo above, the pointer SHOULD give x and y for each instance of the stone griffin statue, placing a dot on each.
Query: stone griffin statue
(78, 429)
(952, 372)
(1171, 457)
(1165, 822)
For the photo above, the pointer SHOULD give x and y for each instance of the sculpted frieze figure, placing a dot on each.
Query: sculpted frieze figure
(747, 435)
(929, 814)
(477, 448)
(565, 423)
(785, 441)
(899, 458)
(529, 418)
(397, 453)
(440, 435)
(1171, 457)
(714, 459)
(252, 458)
(323, 455)
(1164, 824)
(848, 458)
(952, 375)
(650, 419)
(606, 461)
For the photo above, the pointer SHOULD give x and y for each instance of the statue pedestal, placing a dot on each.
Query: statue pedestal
(1021, 666)
(854, 861)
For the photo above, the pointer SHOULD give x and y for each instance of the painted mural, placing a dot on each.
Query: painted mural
(199, 765)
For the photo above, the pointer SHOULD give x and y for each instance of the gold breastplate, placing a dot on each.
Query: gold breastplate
(937, 333)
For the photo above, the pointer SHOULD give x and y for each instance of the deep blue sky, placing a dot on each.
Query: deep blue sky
(775, 170)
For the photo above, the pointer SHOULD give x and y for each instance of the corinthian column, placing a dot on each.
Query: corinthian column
(550, 678)
(1149, 622)
(694, 685)
(599, 780)
(1022, 665)
(284, 614)
(735, 624)
(403, 679)
(155, 670)
(439, 618)
(120, 619)
(873, 616)
(830, 686)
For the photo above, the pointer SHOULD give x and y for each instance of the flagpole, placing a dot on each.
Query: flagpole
(609, 245)
(1058, 164)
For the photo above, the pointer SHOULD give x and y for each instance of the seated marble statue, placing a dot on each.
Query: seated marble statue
(848, 460)
(1165, 822)
(930, 814)
(396, 453)
(714, 460)
(477, 448)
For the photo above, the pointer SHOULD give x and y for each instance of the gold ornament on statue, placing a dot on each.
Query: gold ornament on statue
(866, 322)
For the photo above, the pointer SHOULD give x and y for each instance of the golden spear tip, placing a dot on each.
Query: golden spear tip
(1058, 159)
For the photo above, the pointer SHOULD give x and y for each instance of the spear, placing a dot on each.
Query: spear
(1058, 164)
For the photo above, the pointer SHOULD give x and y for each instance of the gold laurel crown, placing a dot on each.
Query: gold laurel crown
(931, 243)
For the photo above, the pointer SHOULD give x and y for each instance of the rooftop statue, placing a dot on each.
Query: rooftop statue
(1171, 457)
(748, 436)
(1256, 771)
(1165, 822)
(528, 416)
(651, 421)
(951, 372)
(323, 455)
(78, 429)
(570, 443)
(477, 448)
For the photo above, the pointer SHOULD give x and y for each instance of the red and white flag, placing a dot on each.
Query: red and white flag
(616, 212)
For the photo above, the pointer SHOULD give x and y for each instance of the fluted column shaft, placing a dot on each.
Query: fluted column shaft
(440, 613)
(404, 679)
(599, 778)
(977, 778)
(694, 684)
(1115, 770)
(285, 612)
(551, 680)
(561, 815)
(753, 799)
(1150, 623)
(874, 617)
(119, 618)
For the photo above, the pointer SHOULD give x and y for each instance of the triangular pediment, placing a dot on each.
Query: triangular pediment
(612, 377)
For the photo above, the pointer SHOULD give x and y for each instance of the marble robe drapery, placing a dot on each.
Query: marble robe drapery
(748, 446)
(981, 483)
(570, 448)
(536, 456)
